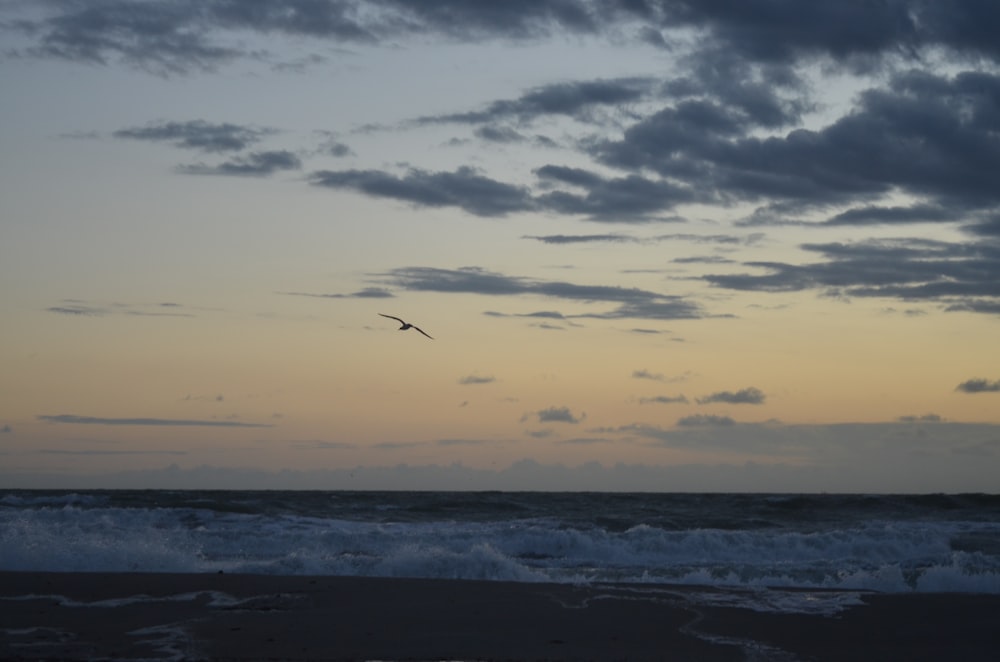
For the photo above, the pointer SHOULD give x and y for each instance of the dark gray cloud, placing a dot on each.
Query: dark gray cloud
(198, 135)
(774, 31)
(961, 276)
(94, 420)
(630, 302)
(339, 150)
(746, 396)
(629, 199)
(464, 188)
(255, 164)
(876, 215)
(979, 386)
(750, 239)
(555, 415)
(723, 128)
(923, 134)
(576, 99)
(181, 35)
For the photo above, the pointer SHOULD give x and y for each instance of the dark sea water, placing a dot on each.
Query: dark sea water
(927, 543)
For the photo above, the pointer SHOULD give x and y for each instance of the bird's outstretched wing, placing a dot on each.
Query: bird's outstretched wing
(406, 325)
(420, 330)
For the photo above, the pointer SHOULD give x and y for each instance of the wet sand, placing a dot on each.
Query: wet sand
(93, 616)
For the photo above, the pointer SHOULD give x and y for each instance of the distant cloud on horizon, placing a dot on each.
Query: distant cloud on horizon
(698, 420)
(95, 420)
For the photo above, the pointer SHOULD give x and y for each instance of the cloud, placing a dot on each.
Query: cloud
(646, 374)
(746, 396)
(339, 150)
(581, 238)
(584, 441)
(926, 418)
(89, 452)
(464, 442)
(727, 126)
(78, 308)
(631, 198)
(398, 445)
(630, 302)
(979, 386)
(321, 445)
(705, 420)
(197, 135)
(556, 415)
(181, 36)
(255, 164)
(364, 293)
(960, 276)
(914, 129)
(577, 99)
(664, 400)
(880, 215)
(463, 188)
(93, 420)
(477, 379)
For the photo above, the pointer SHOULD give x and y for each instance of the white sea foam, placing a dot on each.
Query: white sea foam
(87, 533)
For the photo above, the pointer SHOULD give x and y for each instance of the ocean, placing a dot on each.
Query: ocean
(887, 543)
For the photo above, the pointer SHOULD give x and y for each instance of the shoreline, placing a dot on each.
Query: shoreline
(76, 616)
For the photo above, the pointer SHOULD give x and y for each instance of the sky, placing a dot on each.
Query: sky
(746, 245)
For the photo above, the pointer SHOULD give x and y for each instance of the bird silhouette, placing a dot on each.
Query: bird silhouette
(405, 325)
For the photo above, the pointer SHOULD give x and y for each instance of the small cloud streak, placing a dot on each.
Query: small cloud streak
(197, 134)
(94, 420)
(705, 420)
(364, 293)
(926, 418)
(664, 400)
(746, 396)
(255, 164)
(477, 379)
(646, 374)
(555, 415)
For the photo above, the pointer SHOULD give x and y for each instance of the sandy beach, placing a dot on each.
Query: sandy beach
(92, 616)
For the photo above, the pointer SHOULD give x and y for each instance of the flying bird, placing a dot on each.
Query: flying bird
(405, 325)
